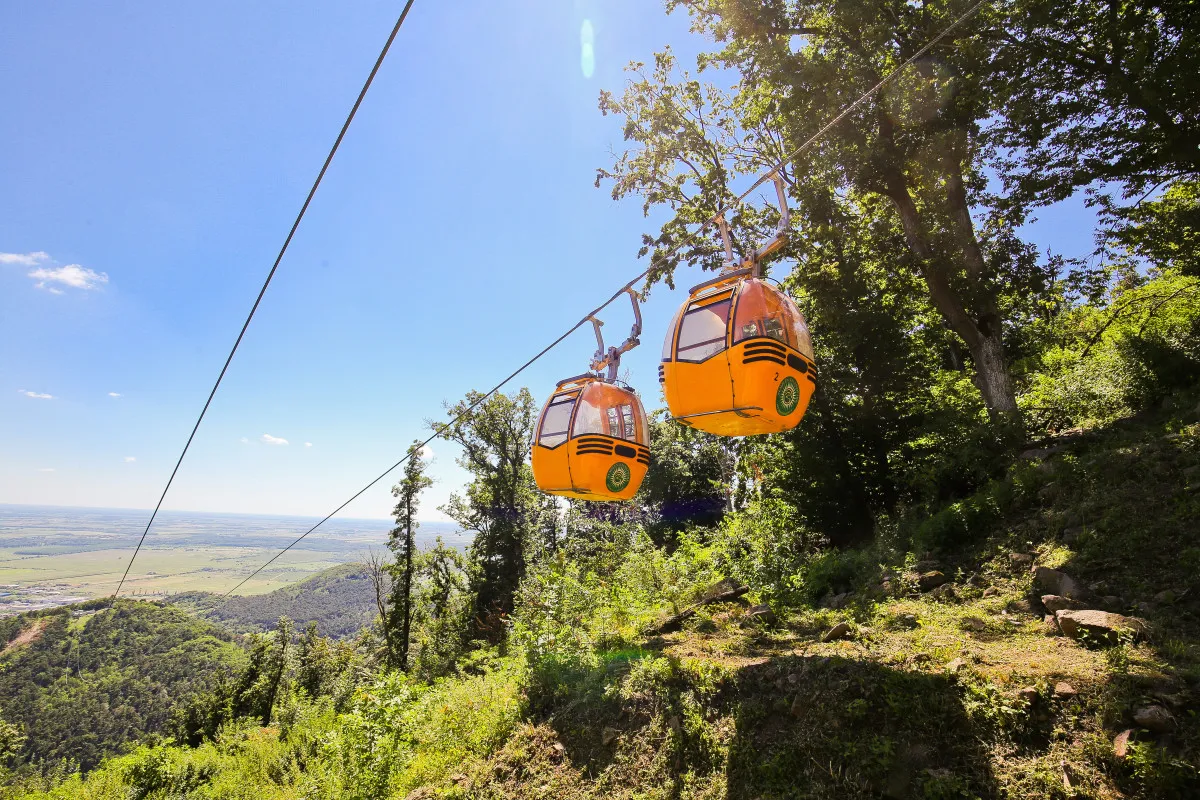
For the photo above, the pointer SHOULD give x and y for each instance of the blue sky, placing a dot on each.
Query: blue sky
(152, 156)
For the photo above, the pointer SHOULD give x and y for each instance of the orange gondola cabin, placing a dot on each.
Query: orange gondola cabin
(592, 441)
(738, 358)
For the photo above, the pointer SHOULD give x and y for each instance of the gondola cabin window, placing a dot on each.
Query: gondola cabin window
(702, 334)
(556, 422)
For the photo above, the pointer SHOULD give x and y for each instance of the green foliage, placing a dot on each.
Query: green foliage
(767, 547)
(1165, 232)
(1143, 345)
(689, 478)
(84, 686)
(501, 505)
(339, 600)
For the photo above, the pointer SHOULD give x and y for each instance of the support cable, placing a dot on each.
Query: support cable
(292, 232)
(654, 263)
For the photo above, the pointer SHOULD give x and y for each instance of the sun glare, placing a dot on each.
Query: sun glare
(587, 53)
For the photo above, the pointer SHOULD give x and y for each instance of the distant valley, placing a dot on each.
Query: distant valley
(51, 556)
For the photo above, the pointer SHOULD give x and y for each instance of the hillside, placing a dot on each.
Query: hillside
(932, 669)
(82, 681)
(340, 600)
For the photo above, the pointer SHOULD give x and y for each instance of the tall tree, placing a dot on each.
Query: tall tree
(403, 544)
(916, 145)
(500, 505)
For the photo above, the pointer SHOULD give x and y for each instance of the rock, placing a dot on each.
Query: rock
(1055, 602)
(991, 591)
(927, 565)
(1029, 694)
(1019, 607)
(1035, 453)
(608, 736)
(905, 620)
(1064, 691)
(1051, 581)
(943, 592)
(1111, 601)
(839, 600)
(1048, 493)
(931, 580)
(1098, 625)
(1020, 560)
(1071, 535)
(839, 631)
(1166, 597)
(798, 706)
(761, 614)
(421, 793)
(1145, 608)
(1050, 621)
(954, 666)
(973, 624)
(1154, 718)
(1121, 743)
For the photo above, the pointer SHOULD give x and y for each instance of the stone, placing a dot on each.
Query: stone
(1100, 626)
(1154, 718)
(1166, 597)
(798, 706)
(1035, 453)
(1055, 602)
(839, 631)
(609, 735)
(1121, 743)
(1029, 694)
(974, 624)
(927, 565)
(943, 592)
(1019, 607)
(1051, 581)
(928, 581)
(1142, 607)
(991, 591)
(762, 614)
(1064, 690)
(906, 620)
(954, 666)
(1020, 560)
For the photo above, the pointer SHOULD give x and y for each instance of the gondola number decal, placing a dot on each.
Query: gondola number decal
(617, 478)
(788, 396)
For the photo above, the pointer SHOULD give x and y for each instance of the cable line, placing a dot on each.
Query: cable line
(292, 232)
(629, 285)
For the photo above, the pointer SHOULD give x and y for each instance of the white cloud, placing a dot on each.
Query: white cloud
(244, 440)
(24, 259)
(130, 459)
(45, 469)
(73, 275)
(114, 394)
(36, 395)
(308, 444)
(267, 438)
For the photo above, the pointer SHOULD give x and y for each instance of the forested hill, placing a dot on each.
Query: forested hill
(82, 681)
(340, 600)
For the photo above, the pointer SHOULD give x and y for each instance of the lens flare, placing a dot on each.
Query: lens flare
(587, 52)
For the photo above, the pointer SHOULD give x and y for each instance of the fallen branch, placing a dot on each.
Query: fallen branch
(721, 592)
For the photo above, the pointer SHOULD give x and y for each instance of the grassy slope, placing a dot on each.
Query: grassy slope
(736, 712)
(339, 599)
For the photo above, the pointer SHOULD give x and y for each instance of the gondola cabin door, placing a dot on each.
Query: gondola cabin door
(592, 441)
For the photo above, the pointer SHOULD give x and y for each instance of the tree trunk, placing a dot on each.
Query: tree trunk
(408, 568)
(982, 337)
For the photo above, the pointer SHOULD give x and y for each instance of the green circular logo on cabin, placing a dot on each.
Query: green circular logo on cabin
(788, 396)
(618, 477)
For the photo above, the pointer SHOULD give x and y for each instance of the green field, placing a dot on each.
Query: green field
(161, 571)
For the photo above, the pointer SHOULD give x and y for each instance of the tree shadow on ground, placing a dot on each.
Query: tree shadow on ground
(832, 727)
